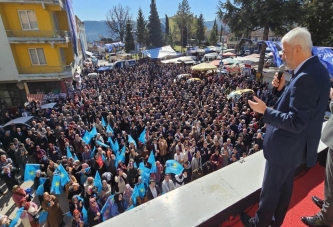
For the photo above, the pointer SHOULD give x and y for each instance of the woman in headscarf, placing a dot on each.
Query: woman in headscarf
(50, 170)
(70, 183)
(131, 173)
(55, 214)
(85, 173)
(18, 194)
(75, 205)
(94, 215)
(77, 220)
(121, 179)
(105, 193)
(89, 182)
(73, 190)
(30, 210)
(90, 193)
(120, 203)
(40, 174)
(128, 194)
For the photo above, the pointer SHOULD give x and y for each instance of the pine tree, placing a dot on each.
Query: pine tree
(184, 19)
(154, 27)
(129, 39)
(166, 24)
(141, 26)
(200, 31)
(213, 34)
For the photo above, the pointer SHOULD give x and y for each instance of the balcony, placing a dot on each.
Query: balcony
(37, 36)
(52, 2)
(45, 72)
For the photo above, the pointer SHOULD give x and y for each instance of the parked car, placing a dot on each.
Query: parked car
(237, 94)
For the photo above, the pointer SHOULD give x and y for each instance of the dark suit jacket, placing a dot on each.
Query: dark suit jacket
(326, 135)
(295, 122)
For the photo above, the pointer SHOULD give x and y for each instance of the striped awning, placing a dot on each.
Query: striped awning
(36, 97)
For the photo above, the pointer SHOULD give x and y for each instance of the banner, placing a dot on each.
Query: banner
(72, 24)
(276, 56)
(325, 54)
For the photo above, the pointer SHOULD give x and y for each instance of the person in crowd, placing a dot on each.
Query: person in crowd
(30, 211)
(77, 220)
(76, 204)
(74, 190)
(167, 184)
(46, 185)
(55, 214)
(105, 193)
(121, 180)
(127, 195)
(18, 194)
(180, 178)
(120, 205)
(94, 214)
(153, 190)
(8, 175)
(90, 193)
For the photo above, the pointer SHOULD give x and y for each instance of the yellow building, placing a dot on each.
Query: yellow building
(36, 49)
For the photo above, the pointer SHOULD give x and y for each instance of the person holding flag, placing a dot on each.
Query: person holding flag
(120, 205)
(30, 210)
(78, 219)
(94, 214)
(55, 214)
(121, 180)
(153, 190)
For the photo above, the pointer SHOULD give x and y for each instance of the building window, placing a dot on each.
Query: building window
(28, 19)
(37, 56)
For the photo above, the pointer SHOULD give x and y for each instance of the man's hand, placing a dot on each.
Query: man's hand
(278, 84)
(259, 106)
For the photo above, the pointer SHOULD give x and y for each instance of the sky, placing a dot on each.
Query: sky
(97, 9)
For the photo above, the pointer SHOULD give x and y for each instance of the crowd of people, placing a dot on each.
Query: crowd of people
(193, 123)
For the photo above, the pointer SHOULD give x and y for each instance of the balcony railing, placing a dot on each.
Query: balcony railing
(44, 69)
(37, 34)
(55, 2)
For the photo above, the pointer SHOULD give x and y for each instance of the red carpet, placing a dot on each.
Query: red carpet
(312, 183)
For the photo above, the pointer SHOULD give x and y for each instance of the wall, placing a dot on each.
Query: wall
(8, 71)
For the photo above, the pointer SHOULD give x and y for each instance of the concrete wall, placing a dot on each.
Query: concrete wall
(8, 71)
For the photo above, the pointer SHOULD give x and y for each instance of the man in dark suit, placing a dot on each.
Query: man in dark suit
(294, 126)
(325, 217)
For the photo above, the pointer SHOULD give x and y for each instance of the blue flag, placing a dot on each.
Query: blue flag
(69, 153)
(93, 132)
(16, 217)
(92, 154)
(109, 129)
(174, 167)
(116, 146)
(106, 210)
(276, 56)
(120, 156)
(103, 122)
(40, 189)
(43, 216)
(68, 214)
(144, 173)
(75, 158)
(135, 165)
(152, 161)
(98, 182)
(142, 137)
(130, 208)
(325, 55)
(85, 215)
(87, 169)
(30, 171)
(131, 140)
(141, 190)
(86, 138)
(64, 175)
(102, 144)
(135, 194)
(56, 187)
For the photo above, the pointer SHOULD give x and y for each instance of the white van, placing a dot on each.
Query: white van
(210, 57)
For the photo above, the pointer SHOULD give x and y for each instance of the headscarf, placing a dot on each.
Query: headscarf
(94, 208)
(128, 192)
(120, 204)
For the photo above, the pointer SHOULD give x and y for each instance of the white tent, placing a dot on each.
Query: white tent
(160, 52)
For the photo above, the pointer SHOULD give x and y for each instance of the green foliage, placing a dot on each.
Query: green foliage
(166, 25)
(129, 39)
(200, 29)
(318, 18)
(154, 27)
(141, 27)
(213, 34)
(183, 19)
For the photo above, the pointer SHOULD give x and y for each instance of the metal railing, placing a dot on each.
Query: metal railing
(44, 69)
(56, 2)
(37, 34)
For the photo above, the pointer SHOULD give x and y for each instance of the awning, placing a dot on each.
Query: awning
(48, 105)
(35, 97)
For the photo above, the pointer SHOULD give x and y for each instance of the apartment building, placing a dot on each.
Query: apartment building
(40, 48)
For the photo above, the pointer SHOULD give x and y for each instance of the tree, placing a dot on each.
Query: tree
(200, 32)
(245, 16)
(213, 34)
(141, 26)
(116, 19)
(154, 27)
(183, 19)
(167, 25)
(317, 18)
(129, 39)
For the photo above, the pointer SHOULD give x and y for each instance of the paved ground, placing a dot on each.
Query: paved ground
(8, 207)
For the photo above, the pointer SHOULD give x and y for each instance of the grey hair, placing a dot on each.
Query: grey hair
(299, 36)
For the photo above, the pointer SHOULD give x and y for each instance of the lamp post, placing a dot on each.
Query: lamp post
(221, 62)
(135, 35)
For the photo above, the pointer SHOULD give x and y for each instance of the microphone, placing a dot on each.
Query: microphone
(281, 69)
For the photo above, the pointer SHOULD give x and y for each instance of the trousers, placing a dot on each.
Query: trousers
(326, 213)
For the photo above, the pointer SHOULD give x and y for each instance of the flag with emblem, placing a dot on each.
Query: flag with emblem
(120, 156)
(151, 160)
(102, 144)
(17, 216)
(144, 173)
(135, 194)
(30, 171)
(174, 167)
(109, 129)
(69, 153)
(43, 216)
(56, 187)
(93, 132)
(142, 137)
(40, 189)
(63, 174)
(141, 190)
(106, 209)
(98, 182)
(86, 138)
